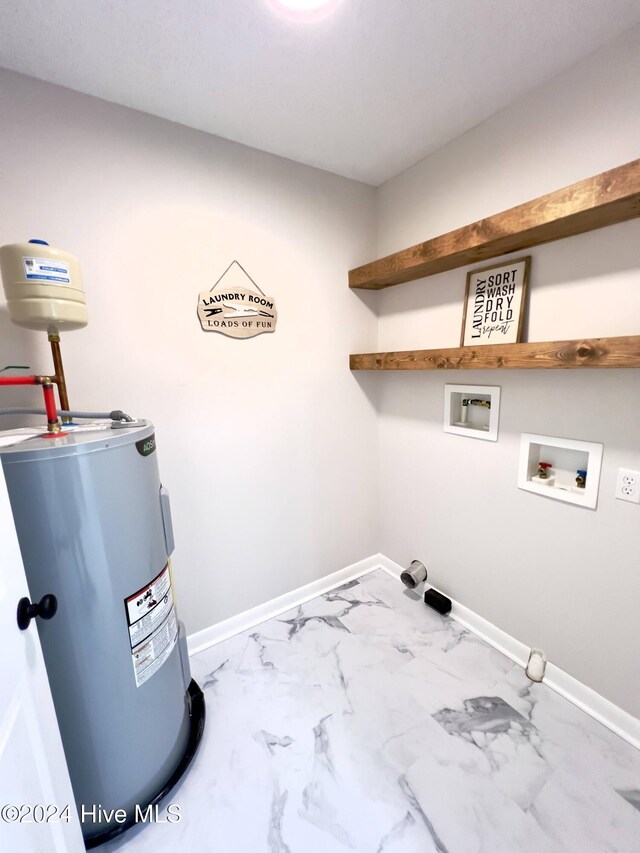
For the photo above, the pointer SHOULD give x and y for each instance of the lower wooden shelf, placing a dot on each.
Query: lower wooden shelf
(589, 352)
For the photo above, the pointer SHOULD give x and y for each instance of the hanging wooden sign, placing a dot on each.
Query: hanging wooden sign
(235, 306)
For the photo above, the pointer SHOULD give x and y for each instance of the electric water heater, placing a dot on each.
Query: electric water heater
(94, 526)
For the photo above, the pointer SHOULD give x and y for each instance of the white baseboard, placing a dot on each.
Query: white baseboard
(601, 709)
(592, 703)
(270, 609)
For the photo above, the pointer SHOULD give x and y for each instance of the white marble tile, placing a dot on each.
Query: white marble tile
(364, 721)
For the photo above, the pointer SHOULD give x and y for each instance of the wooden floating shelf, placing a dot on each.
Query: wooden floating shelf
(605, 199)
(590, 352)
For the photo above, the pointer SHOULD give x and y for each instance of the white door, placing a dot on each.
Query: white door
(33, 771)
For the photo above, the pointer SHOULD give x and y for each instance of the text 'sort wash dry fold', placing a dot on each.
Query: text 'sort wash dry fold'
(94, 526)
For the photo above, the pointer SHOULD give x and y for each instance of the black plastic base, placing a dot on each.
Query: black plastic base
(196, 728)
(438, 601)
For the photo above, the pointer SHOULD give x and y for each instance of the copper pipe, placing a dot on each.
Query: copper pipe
(59, 379)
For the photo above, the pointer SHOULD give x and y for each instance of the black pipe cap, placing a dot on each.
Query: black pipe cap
(438, 601)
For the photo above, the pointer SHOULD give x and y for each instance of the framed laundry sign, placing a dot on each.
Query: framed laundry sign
(235, 306)
(494, 303)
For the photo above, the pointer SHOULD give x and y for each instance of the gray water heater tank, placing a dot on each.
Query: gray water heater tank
(94, 527)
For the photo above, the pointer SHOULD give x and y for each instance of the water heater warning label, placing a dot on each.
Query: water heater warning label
(153, 626)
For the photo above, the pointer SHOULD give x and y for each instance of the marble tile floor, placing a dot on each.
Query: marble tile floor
(364, 721)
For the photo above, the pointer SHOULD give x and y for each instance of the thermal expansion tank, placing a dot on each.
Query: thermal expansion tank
(95, 531)
(43, 286)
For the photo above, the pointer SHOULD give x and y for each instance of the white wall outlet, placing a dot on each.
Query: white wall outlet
(628, 485)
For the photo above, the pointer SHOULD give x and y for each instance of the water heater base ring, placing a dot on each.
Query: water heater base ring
(196, 729)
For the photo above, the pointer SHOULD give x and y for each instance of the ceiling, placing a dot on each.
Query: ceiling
(365, 92)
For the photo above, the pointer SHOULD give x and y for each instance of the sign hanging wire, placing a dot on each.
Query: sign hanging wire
(257, 287)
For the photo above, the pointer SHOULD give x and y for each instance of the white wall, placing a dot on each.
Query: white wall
(556, 576)
(265, 444)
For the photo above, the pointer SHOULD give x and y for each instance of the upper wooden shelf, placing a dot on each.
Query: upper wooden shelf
(605, 199)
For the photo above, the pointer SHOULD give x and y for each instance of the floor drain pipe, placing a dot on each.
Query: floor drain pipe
(414, 575)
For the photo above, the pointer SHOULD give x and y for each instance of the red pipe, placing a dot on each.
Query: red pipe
(53, 424)
(50, 404)
(18, 380)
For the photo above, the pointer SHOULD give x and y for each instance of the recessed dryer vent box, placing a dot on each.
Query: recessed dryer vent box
(472, 410)
(562, 459)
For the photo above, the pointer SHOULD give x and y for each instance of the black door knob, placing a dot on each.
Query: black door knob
(45, 609)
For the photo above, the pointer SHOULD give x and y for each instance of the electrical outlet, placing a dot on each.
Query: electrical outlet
(628, 485)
